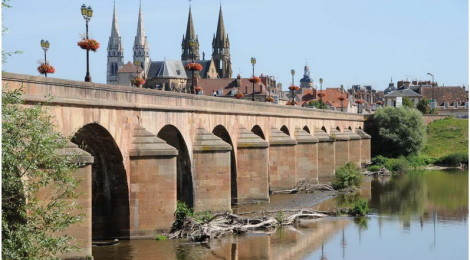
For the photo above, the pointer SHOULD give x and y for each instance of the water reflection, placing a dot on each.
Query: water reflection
(416, 216)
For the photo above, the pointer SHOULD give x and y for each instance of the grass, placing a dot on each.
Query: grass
(446, 136)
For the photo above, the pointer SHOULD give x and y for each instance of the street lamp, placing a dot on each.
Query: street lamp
(192, 44)
(432, 89)
(341, 99)
(321, 90)
(45, 47)
(292, 72)
(87, 13)
(253, 62)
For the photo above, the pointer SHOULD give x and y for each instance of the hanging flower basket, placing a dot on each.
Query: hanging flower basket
(341, 98)
(46, 68)
(321, 94)
(239, 95)
(379, 102)
(270, 99)
(193, 66)
(138, 81)
(89, 44)
(359, 101)
(197, 88)
(291, 103)
(295, 88)
(255, 79)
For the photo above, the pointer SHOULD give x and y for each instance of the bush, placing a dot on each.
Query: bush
(203, 216)
(399, 131)
(399, 165)
(161, 237)
(420, 160)
(454, 159)
(280, 217)
(181, 213)
(374, 168)
(361, 208)
(379, 160)
(348, 176)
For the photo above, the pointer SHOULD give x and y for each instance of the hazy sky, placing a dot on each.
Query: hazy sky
(344, 41)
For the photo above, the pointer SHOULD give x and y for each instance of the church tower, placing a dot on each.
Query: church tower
(190, 44)
(115, 52)
(221, 50)
(306, 81)
(141, 46)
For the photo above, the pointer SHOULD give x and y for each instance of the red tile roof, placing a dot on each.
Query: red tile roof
(449, 94)
(331, 96)
(129, 67)
(211, 85)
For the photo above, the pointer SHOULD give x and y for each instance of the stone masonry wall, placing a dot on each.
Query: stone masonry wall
(252, 175)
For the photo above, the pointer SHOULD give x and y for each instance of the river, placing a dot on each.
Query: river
(421, 215)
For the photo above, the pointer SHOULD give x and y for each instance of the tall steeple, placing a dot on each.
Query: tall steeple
(221, 49)
(141, 46)
(190, 44)
(115, 52)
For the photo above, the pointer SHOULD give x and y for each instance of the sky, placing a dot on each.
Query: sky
(366, 42)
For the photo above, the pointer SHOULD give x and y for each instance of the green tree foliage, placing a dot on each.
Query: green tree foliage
(423, 106)
(30, 166)
(408, 103)
(318, 104)
(348, 176)
(399, 131)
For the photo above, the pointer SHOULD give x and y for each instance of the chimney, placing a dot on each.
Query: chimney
(407, 84)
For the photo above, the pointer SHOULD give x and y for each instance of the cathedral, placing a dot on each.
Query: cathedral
(168, 74)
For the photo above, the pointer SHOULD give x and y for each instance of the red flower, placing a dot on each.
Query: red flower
(137, 81)
(269, 99)
(379, 102)
(89, 44)
(193, 66)
(46, 68)
(294, 88)
(255, 79)
(197, 88)
(239, 95)
(359, 101)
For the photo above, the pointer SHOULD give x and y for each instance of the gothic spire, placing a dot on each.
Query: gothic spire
(220, 35)
(190, 34)
(140, 38)
(114, 27)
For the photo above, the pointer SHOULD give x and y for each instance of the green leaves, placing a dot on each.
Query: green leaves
(37, 183)
(348, 176)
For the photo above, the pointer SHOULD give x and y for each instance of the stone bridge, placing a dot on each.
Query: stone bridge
(151, 148)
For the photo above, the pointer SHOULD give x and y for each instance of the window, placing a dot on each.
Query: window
(178, 72)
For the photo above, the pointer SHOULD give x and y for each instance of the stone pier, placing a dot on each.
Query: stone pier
(307, 155)
(341, 148)
(326, 154)
(282, 160)
(365, 146)
(354, 147)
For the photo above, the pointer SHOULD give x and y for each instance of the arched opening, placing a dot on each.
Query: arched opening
(110, 193)
(258, 131)
(184, 178)
(350, 128)
(285, 130)
(324, 129)
(222, 133)
(306, 129)
(337, 128)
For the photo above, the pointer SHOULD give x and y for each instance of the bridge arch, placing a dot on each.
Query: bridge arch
(285, 130)
(184, 178)
(306, 129)
(323, 128)
(258, 131)
(110, 193)
(221, 132)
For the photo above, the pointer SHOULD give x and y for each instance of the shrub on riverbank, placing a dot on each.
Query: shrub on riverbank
(348, 176)
(454, 159)
(361, 208)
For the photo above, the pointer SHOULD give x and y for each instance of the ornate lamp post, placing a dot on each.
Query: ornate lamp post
(341, 99)
(192, 43)
(321, 90)
(87, 13)
(432, 88)
(45, 47)
(253, 62)
(292, 72)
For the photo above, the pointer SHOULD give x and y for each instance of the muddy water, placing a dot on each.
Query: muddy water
(415, 216)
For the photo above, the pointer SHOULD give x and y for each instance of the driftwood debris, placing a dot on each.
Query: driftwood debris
(306, 187)
(227, 223)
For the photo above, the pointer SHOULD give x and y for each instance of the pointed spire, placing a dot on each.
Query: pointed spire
(190, 34)
(114, 27)
(220, 35)
(140, 37)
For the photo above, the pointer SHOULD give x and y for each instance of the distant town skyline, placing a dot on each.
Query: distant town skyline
(363, 42)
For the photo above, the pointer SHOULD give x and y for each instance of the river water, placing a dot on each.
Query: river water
(415, 216)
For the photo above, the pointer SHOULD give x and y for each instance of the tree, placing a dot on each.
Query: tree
(408, 103)
(31, 218)
(318, 104)
(398, 131)
(423, 106)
